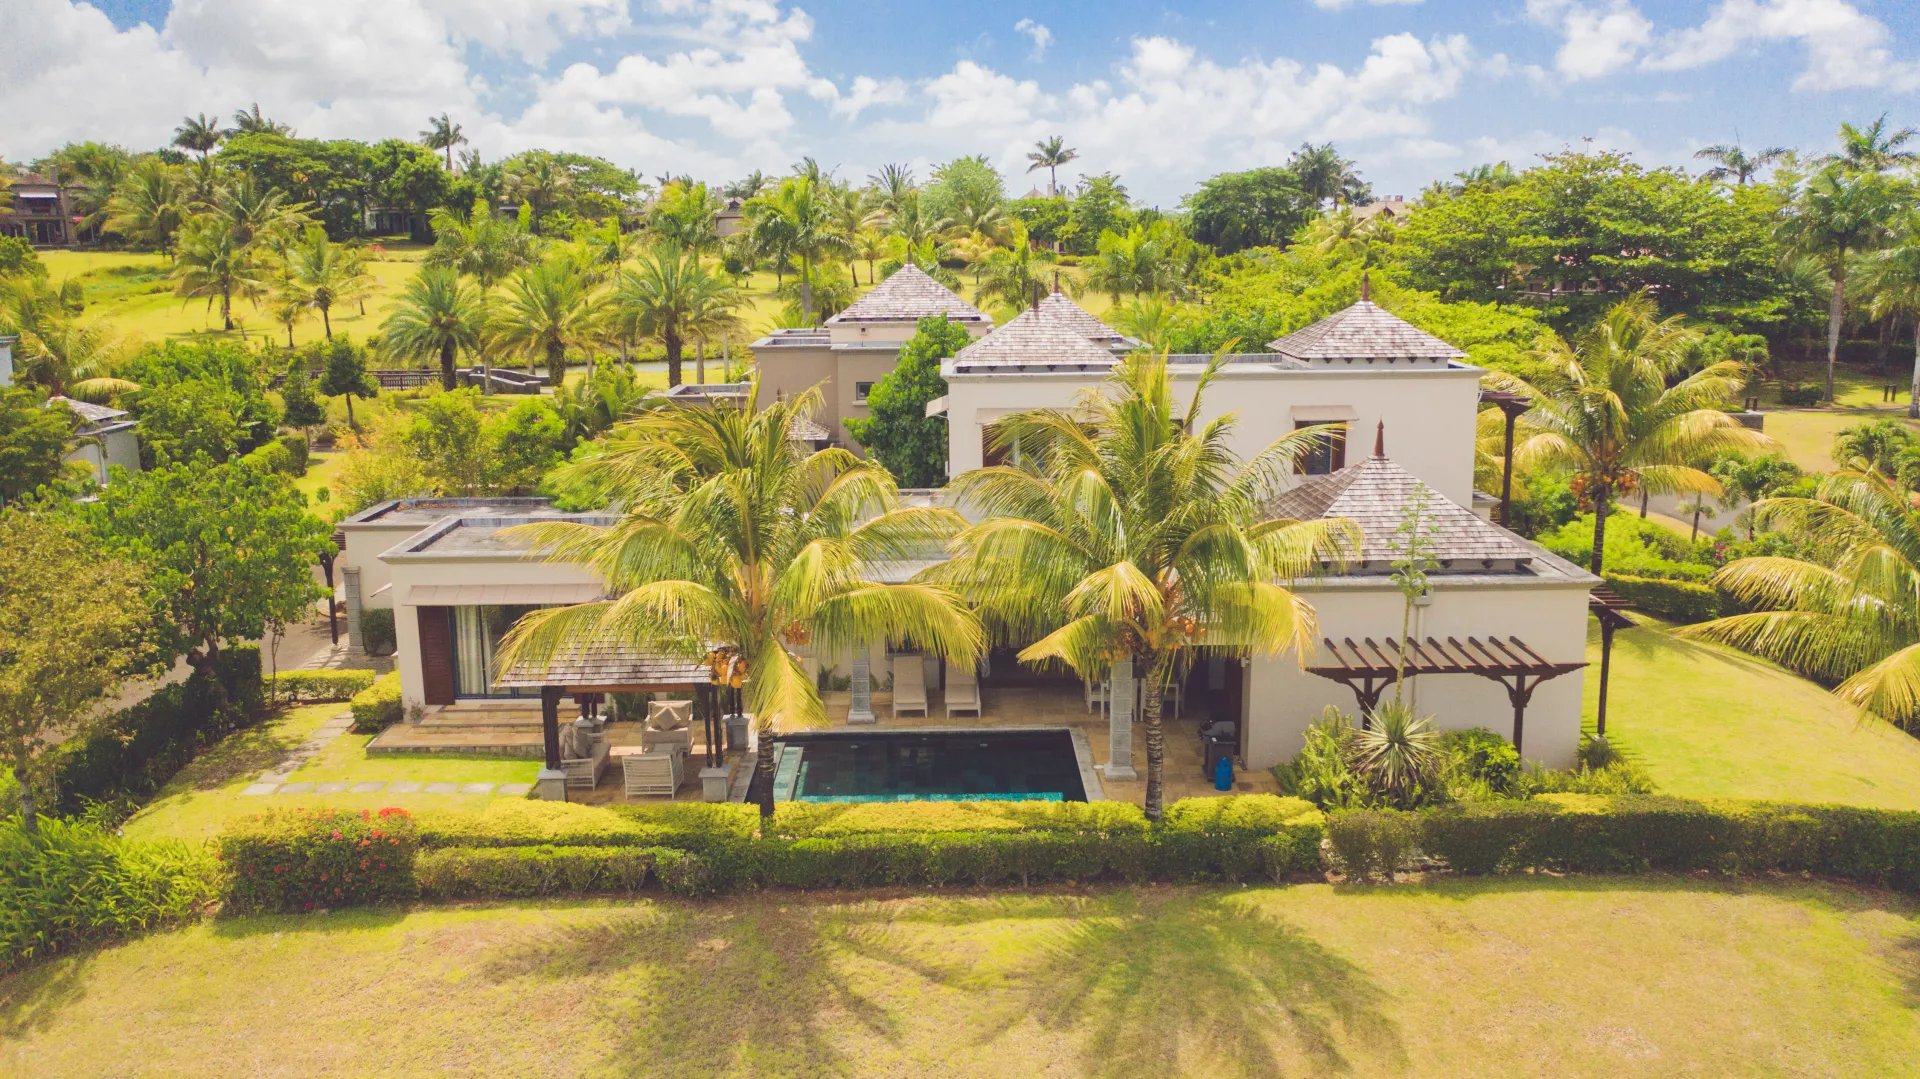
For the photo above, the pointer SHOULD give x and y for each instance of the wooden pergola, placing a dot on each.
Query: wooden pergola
(1369, 667)
(588, 672)
(1512, 405)
(1611, 610)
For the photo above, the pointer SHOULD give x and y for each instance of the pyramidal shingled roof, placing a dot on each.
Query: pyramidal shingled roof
(1060, 309)
(1364, 333)
(1035, 340)
(1374, 494)
(909, 294)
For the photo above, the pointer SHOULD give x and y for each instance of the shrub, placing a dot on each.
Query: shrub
(524, 872)
(1794, 396)
(1321, 773)
(303, 859)
(1634, 547)
(299, 451)
(947, 858)
(308, 687)
(377, 707)
(1239, 838)
(1479, 756)
(73, 882)
(1676, 601)
(137, 750)
(376, 631)
(1370, 844)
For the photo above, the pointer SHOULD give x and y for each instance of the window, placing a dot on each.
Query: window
(477, 632)
(1329, 456)
(861, 389)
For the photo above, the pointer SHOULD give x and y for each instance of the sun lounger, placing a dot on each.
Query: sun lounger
(963, 691)
(909, 685)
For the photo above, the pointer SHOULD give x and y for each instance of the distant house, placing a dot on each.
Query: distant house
(106, 438)
(730, 220)
(1392, 208)
(41, 214)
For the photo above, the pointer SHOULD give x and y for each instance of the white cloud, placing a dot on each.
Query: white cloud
(1341, 5)
(1595, 41)
(1041, 36)
(1845, 48)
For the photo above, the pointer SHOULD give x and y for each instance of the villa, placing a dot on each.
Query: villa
(1497, 640)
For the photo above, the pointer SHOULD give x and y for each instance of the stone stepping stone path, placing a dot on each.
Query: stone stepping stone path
(275, 780)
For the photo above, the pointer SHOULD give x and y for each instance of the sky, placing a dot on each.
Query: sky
(1162, 94)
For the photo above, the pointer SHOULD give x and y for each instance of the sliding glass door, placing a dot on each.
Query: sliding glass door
(477, 633)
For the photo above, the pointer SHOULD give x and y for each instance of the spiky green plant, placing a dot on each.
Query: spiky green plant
(1397, 755)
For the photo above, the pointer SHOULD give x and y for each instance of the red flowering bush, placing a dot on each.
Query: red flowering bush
(312, 859)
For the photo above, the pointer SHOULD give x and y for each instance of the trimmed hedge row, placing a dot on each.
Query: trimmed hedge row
(526, 872)
(309, 687)
(136, 751)
(1674, 600)
(299, 859)
(377, 707)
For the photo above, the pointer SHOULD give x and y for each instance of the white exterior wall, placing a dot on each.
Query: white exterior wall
(1429, 413)
(1282, 699)
(115, 448)
(453, 570)
(365, 545)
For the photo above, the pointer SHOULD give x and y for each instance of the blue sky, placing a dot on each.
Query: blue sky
(1163, 94)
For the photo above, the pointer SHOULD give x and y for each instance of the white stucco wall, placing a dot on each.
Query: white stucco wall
(365, 544)
(1429, 413)
(1282, 699)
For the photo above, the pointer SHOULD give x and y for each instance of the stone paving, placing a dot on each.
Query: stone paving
(275, 780)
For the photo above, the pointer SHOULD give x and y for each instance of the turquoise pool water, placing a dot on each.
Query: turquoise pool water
(910, 766)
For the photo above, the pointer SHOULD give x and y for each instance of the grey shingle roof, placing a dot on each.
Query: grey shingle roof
(1036, 340)
(1374, 494)
(1363, 332)
(1060, 309)
(88, 411)
(604, 664)
(906, 295)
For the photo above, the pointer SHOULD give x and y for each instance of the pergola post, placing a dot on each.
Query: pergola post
(1606, 663)
(1512, 405)
(1121, 695)
(551, 783)
(862, 686)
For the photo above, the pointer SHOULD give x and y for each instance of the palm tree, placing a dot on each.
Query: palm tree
(1732, 163)
(1838, 213)
(1136, 263)
(540, 181)
(854, 210)
(1892, 278)
(257, 215)
(1345, 235)
(892, 184)
(914, 222)
(746, 187)
(546, 309)
(55, 350)
(1612, 408)
(1496, 175)
(479, 245)
(871, 245)
(670, 297)
(686, 214)
(1013, 275)
(736, 541)
(212, 263)
(798, 218)
(149, 206)
(436, 315)
(323, 273)
(1873, 148)
(443, 134)
(1127, 530)
(1050, 153)
(199, 134)
(251, 122)
(1850, 613)
(1324, 175)
(1151, 318)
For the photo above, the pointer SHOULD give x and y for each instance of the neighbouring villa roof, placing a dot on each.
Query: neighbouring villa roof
(1034, 341)
(1375, 493)
(476, 536)
(1365, 333)
(1063, 310)
(420, 512)
(907, 295)
(803, 428)
(95, 419)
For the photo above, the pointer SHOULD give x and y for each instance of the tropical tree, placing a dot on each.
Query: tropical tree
(687, 215)
(1324, 176)
(738, 540)
(435, 316)
(540, 180)
(669, 296)
(746, 187)
(914, 222)
(1839, 212)
(545, 310)
(798, 218)
(257, 215)
(34, 437)
(871, 245)
(212, 264)
(1874, 148)
(891, 184)
(1050, 153)
(1849, 613)
(1014, 275)
(199, 134)
(1892, 278)
(1137, 263)
(322, 273)
(250, 121)
(55, 350)
(480, 245)
(1731, 161)
(1127, 530)
(896, 430)
(443, 134)
(1747, 480)
(1614, 408)
(149, 205)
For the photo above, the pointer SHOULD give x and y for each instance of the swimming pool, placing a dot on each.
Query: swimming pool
(944, 765)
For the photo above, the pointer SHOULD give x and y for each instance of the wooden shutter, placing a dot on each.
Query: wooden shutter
(436, 654)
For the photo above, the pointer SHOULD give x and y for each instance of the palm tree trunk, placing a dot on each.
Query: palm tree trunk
(763, 773)
(1834, 309)
(806, 288)
(557, 364)
(1644, 496)
(446, 365)
(700, 361)
(326, 321)
(1156, 735)
(673, 346)
(289, 335)
(351, 426)
(1913, 390)
(1695, 534)
(1602, 497)
(29, 811)
(226, 311)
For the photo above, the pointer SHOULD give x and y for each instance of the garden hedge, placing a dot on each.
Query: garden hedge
(300, 859)
(135, 752)
(1674, 600)
(377, 707)
(308, 687)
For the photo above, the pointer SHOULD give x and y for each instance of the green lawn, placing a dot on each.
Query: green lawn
(206, 795)
(1569, 977)
(1707, 721)
(1806, 435)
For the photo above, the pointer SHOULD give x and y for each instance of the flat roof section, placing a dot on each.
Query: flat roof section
(420, 512)
(480, 537)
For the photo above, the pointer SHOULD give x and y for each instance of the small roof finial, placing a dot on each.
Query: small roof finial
(1380, 439)
(1366, 289)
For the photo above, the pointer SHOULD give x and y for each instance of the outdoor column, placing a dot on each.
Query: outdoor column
(551, 783)
(1122, 692)
(1606, 660)
(350, 584)
(862, 710)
